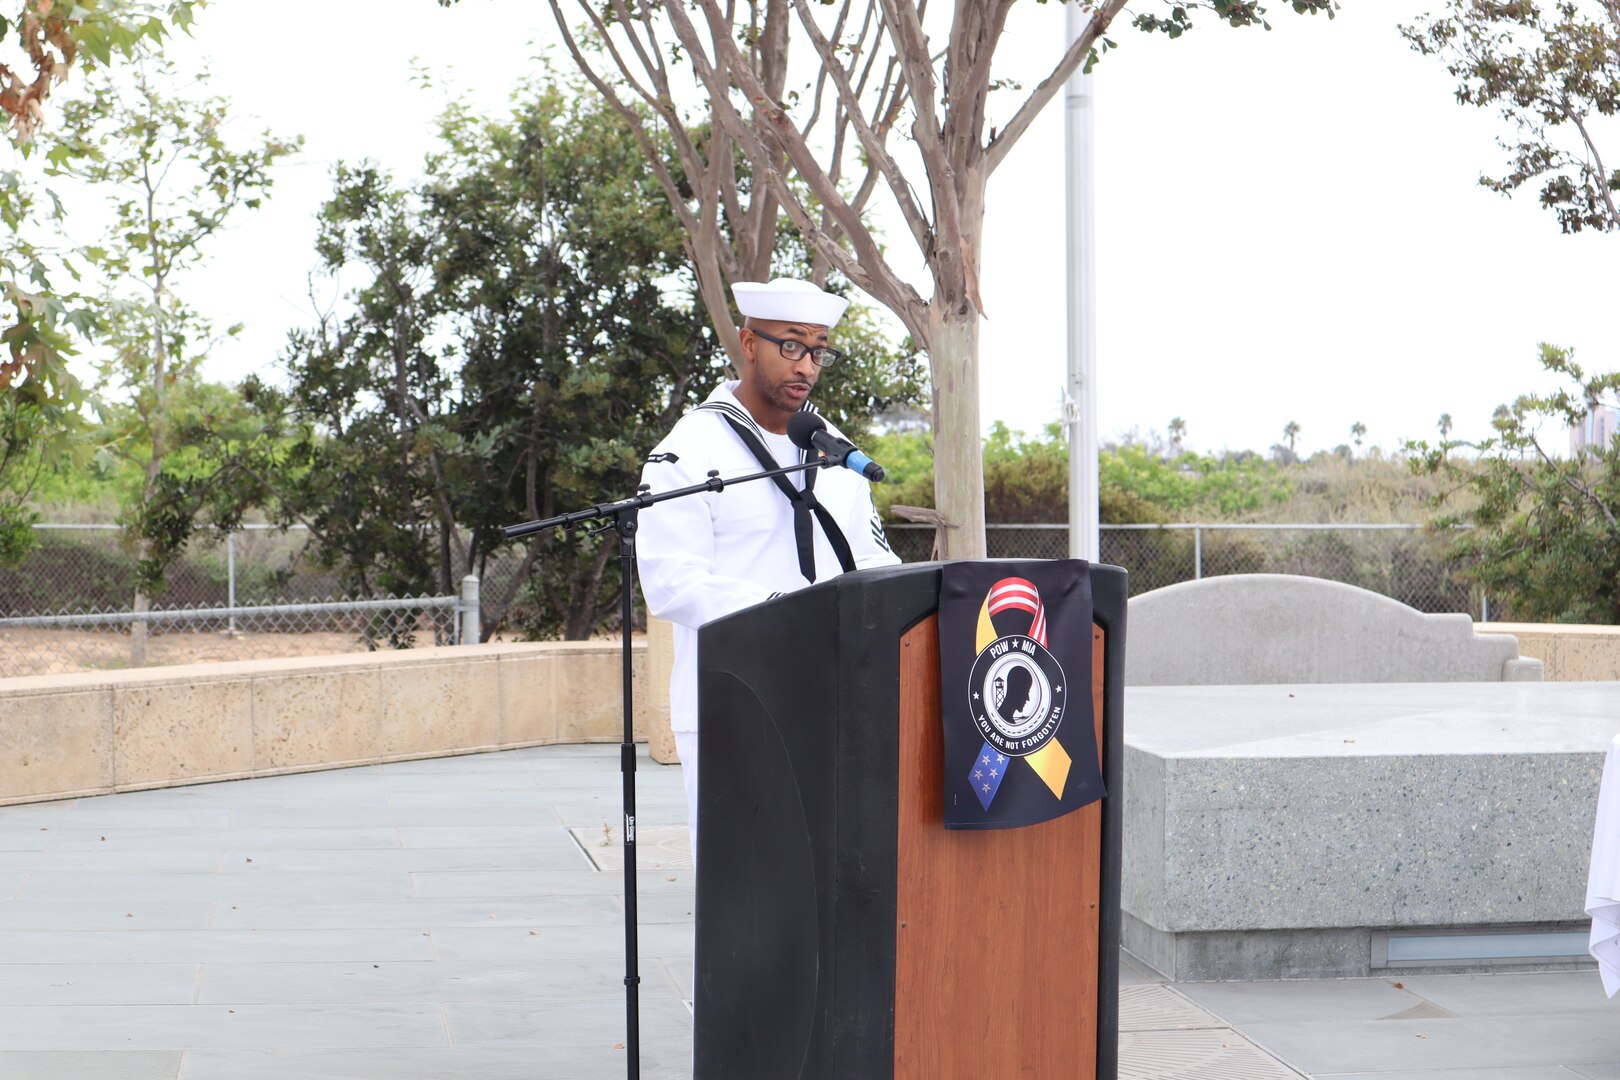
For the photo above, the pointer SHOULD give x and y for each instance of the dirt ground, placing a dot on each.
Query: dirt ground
(30, 651)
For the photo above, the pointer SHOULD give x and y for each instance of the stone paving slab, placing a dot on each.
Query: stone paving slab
(246, 1027)
(89, 1064)
(1440, 1026)
(406, 860)
(23, 838)
(418, 980)
(106, 815)
(506, 883)
(197, 861)
(1216, 1054)
(98, 984)
(1321, 1049)
(459, 1063)
(666, 1023)
(106, 915)
(671, 941)
(407, 818)
(1548, 1072)
(121, 946)
(265, 885)
(578, 911)
(547, 839)
(127, 839)
(366, 948)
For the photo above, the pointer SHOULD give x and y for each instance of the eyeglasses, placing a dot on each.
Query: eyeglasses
(792, 350)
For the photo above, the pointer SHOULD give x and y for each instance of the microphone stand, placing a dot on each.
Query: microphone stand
(623, 518)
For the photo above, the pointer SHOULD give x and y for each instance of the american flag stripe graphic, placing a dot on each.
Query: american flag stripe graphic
(1017, 594)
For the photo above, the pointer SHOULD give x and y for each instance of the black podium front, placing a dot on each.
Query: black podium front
(842, 932)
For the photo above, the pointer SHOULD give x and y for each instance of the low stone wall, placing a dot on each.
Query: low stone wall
(1568, 653)
(95, 733)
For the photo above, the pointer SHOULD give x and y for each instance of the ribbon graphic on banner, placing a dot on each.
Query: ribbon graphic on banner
(1021, 690)
(1018, 691)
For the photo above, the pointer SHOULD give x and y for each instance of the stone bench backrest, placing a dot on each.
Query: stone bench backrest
(1285, 628)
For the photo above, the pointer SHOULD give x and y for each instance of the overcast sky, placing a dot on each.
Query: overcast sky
(1289, 224)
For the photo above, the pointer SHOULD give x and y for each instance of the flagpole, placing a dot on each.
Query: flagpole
(1080, 390)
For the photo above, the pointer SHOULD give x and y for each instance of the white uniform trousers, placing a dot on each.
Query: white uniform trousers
(686, 748)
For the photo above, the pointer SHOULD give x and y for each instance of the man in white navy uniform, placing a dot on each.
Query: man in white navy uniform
(708, 555)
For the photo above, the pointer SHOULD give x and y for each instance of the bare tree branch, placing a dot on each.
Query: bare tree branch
(1602, 176)
(876, 152)
(1038, 98)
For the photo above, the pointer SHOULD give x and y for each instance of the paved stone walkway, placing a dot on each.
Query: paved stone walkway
(462, 918)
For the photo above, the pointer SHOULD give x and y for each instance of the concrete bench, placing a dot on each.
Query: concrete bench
(1284, 831)
(1297, 790)
(1248, 629)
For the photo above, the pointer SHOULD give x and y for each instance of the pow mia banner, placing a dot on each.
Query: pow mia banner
(1014, 649)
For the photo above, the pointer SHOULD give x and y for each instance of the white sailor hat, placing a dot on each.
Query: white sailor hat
(788, 300)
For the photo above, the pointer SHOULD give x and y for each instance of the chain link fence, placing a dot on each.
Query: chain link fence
(253, 594)
(1406, 562)
(250, 595)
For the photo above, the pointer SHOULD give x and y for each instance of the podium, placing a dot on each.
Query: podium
(842, 931)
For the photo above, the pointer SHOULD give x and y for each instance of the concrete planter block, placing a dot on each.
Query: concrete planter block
(528, 698)
(660, 663)
(1572, 653)
(588, 696)
(182, 731)
(434, 706)
(318, 717)
(56, 743)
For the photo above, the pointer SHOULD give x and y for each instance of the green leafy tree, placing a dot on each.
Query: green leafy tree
(520, 339)
(171, 179)
(1546, 538)
(1552, 69)
(1358, 431)
(1026, 480)
(26, 451)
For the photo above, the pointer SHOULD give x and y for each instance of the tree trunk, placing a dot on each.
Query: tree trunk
(143, 548)
(953, 360)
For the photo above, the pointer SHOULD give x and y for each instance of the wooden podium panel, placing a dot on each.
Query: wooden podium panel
(996, 949)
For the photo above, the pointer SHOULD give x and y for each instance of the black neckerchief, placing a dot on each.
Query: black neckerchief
(804, 502)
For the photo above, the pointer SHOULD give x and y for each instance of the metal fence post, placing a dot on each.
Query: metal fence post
(468, 611)
(230, 578)
(1198, 553)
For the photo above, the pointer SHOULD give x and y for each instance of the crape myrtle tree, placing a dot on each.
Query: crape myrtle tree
(1547, 535)
(758, 147)
(521, 334)
(1552, 69)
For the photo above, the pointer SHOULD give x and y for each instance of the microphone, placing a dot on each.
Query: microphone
(809, 432)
